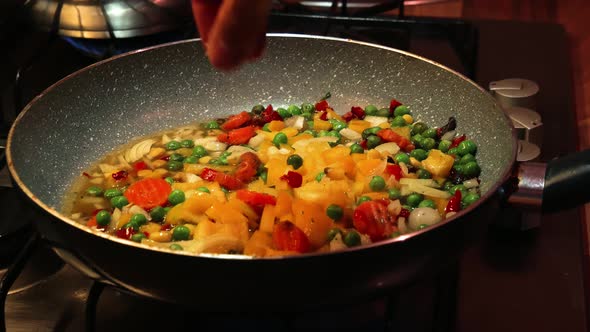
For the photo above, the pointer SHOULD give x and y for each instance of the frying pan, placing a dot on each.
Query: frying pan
(87, 114)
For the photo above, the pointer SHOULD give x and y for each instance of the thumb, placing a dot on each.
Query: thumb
(238, 33)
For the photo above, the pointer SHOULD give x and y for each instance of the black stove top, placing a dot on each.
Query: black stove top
(508, 281)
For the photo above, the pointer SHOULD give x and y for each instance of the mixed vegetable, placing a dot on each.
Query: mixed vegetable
(282, 181)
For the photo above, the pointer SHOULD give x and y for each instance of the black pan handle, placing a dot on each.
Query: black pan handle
(567, 182)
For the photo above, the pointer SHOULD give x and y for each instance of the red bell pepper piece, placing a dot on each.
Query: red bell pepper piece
(255, 199)
(394, 170)
(236, 121)
(373, 219)
(358, 112)
(294, 179)
(454, 204)
(455, 143)
(393, 104)
(322, 106)
(287, 236)
(140, 165)
(237, 136)
(389, 135)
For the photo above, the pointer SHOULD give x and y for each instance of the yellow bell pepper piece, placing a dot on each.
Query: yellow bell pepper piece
(276, 125)
(438, 163)
(359, 125)
(321, 125)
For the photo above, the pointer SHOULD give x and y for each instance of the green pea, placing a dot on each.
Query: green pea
(427, 203)
(204, 189)
(223, 157)
(417, 139)
(429, 133)
(158, 213)
(373, 141)
(335, 212)
(294, 109)
(176, 157)
(133, 225)
(371, 110)
(284, 113)
(418, 128)
(138, 218)
(448, 185)
(170, 180)
(264, 175)
(311, 132)
(103, 218)
(444, 145)
(419, 154)
(94, 191)
(467, 146)
(172, 145)
(266, 127)
(398, 121)
(407, 207)
(307, 108)
(176, 197)
(320, 176)
(199, 151)
(167, 209)
(337, 125)
(466, 159)
(352, 239)
(394, 193)
(422, 226)
(119, 201)
(414, 199)
(295, 160)
(323, 133)
(180, 233)
(469, 199)
(176, 246)
(333, 232)
(174, 165)
(191, 160)
(453, 151)
(377, 183)
(428, 143)
(110, 193)
(401, 110)
(257, 109)
(212, 125)
(363, 199)
(383, 112)
(187, 143)
(370, 131)
(471, 169)
(137, 237)
(280, 138)
(459, 187)
(308, 116)
(423, 174)
(356, 148)
(401, 157)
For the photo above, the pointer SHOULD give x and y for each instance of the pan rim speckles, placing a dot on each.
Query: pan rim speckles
(63, 218)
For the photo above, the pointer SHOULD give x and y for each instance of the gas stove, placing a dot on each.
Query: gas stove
(509, 280)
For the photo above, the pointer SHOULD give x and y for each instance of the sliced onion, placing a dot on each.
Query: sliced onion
(191, 178)
(449, 135)
(350, 134)
(215, 146)
(136, 209)
(337, 244)
(394, 207)
(139, 150)
(305, 142)
(218, 244)
(375, 120)
(296, 122)
(256, 141)
(389, 148)
(401, 225)
(471, 183)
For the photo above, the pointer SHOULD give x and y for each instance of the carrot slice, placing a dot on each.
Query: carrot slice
(148, 193)
(236, 121)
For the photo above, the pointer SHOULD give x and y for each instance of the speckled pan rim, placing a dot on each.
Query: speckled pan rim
(16, 178)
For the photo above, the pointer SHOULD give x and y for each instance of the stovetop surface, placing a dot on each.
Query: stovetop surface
(509, 281)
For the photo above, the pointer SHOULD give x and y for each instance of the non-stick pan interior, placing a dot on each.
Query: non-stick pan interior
(83, 117)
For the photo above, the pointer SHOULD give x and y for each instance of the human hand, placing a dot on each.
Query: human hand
(232, 31)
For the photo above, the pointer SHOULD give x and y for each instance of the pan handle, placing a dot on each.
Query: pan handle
(567, 182)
